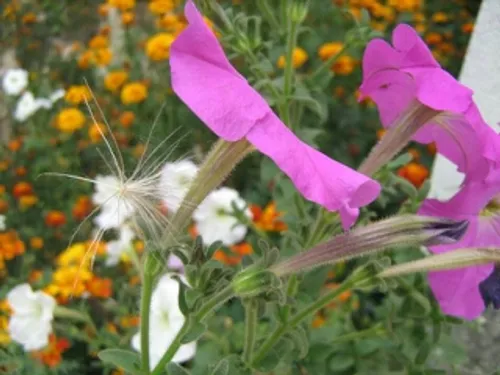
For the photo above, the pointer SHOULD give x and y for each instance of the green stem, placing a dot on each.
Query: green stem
(209, 307)
(289, 70)
(250, 329)
(147, 292)
(282, 328)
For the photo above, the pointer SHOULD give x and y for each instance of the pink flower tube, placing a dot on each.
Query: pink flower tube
(205, 80)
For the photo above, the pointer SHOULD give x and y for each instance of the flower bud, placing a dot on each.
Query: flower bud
(407, 230)
(253, 281)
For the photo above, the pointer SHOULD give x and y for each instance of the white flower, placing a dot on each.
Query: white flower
(116, 249)
(115, 209)
(26, 106)
(175, 181)
(214, 219)
(31, 321)
(166, 320)
(56, 95)
(2, 223)
(15, 81)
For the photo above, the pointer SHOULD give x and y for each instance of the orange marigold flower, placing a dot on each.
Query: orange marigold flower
(103, 10)
(127, 119)
(128, 18)
(268, 219)
(129, 321)
(51, 355)
(415, 173)
(103, 56)
(86, 59)
(100, 288)
(22, 189)
(4, 165)
(55, 219)
(77, 94)
(15, 144)
(2, 189)
(299, 58)
(161, 6)
(20, 171)
(134, 92)
(467, 28)
(242, 249)
(440, 17)
(82, 208)
(70, 119)
(4, 206)
(35, 276)
(36, 243)
(318, 321)
(344, 65)
(28, 201)
(29, 18)
(10, 245)
(96, 132)
(98, 41)
(122, 5)
(171, 22)
(415, 154)
(433, 38)
(158, 46)
(114, 80)
(229, 260)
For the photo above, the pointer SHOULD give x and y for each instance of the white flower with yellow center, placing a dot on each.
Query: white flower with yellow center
(166, 320)
(32, 313)
(215, 219)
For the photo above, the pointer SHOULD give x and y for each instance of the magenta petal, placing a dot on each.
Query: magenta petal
(439, 90)
(392, 90)
(318, 178)
(379, 55)
(457, 291)
(416, 53)
(205, 80)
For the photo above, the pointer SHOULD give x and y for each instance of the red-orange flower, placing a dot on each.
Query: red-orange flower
(51, 356)
(100, 288)
(268, 219)
(22, 189)
(82, 208)
(55, 219)
(415, 173)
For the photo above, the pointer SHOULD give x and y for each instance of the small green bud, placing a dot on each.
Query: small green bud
(253, 281)
(153, 264)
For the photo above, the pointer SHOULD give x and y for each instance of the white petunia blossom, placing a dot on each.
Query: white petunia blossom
(3, 226)
(14, 81)
(175, 181)
(32, 313)
(115, 208)
(57, 95)
(116, 249)
(166, 320)
(214, 219)
(26, 106)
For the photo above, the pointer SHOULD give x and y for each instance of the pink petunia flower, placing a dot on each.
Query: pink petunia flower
(406, 74)
(205, 80)
(458, 290)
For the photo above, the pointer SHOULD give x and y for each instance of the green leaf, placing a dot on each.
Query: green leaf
(269, 362)
(126, 359)
(183, 305)
(299, 338)
(423, 354)
(210, 250)
(194, 333)
(175, 369)
(222, 368)
(341, 362)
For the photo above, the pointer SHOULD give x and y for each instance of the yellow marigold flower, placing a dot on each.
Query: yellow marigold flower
(98, 41)
(114, 80)
(103, 10)
(299, 58)
(328, 50)
(73, 255)
(344, 65)
(96, 130)
(158, 46)
(171, 22)
(134, 92)
(122, 5)
(405, 5)
(69, 282)
(161, 6)
(103, 56)
(128, 18)
(77, 94)
(420, 28)
(69, 120)
(4, 334)
(419, 17)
